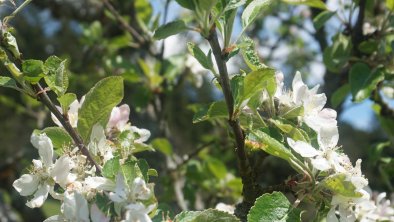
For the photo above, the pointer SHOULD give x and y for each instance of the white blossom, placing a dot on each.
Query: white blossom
(72, 113)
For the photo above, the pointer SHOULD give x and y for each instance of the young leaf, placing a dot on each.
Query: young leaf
(252, 11)
(260, 140)
(99, 101)
(60, 138)
(340, 95)
(233, 4)
(8, 82)
(204, 60)
(57, 77)
(322, 18)
(111, 168)
(290, 130)
(390, 4)
(11, 44)
(169, 29)
(312, 3)
(212, 111)
(340, 184)
(249, 54)
(204, 216)
(189, 4)
(363, 81)
(273, 207)
(216, 167)
(65, 101)
(33, 70)
(293, 112)
(337, 55)
(163, 145)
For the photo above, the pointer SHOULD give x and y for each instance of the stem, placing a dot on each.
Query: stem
(250, 188)
(44, 98)
(123, 23)
(23, 5)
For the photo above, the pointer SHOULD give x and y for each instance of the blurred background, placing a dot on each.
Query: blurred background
(164, 86)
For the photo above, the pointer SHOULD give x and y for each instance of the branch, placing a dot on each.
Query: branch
(250, 190)
(44, 98)
(124, 24)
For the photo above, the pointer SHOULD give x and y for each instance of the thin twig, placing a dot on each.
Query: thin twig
(44, 98)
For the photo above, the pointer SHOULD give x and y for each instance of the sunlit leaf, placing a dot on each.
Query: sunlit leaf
(170, 29)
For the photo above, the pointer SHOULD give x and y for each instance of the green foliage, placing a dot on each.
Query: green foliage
(206, 215)
(8, 82)
(60, 138)
(170, 29)
(11, 44)
(322, 18)
(56, 77)
(187, 4)
(163, 145)
(252, 10)
(337, 55)
(204, 60)
(291, 130)
(250, 55)
(363, 81)
(33, 70)
(273, 207)
(213, 111)
(111, 168)
(65, 101)
(390, 4)
(340, 184)
(312, 3)
(98, 104)
(340, 95)
(216, 167)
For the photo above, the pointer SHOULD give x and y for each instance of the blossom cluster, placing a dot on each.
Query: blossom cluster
(120, 193)
(331, 169)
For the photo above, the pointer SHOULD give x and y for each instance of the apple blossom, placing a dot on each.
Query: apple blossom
(72, 113)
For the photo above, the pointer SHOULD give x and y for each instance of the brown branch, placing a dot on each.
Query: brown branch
(250, 190)
(124, 24)
(44, 98)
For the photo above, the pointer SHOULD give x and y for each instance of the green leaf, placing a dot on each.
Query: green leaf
(390, 4)
(216, 167)
(273, 207)
(169, 29)
(290, 130)
(99, 102)
(211, 215)
(111, 168)
(340, 184)
(33, 70)
(233, 4)
(249, 54)
(322, 18)
(213, 111)
(363, 81)
(369, 46)
(65, 101)
(189, 4)
(337, 55)
(57, 77)
(11, 44)
(163, 145)
(8, 82)
(260, 140)
(340, 95)
(293, 112)
(204, 60)
(253, 10)
(312, 3)
(59, 137)
(144, 168)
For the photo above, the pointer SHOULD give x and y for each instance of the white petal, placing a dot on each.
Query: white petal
(144, 134)
(119, 117)
(138, 212)
(56, 218)
(37, 164)
(39, 196)
(331, 217)
(54, 119)
(45, 148)
(327, 137)
(321, 163)
(97, 215)
(303, 148)
(97, 133)
(26, 185)
(76, 207)
(140, 190)
(120, 193)
(324, 118)
(100, 183)
(61, 170)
